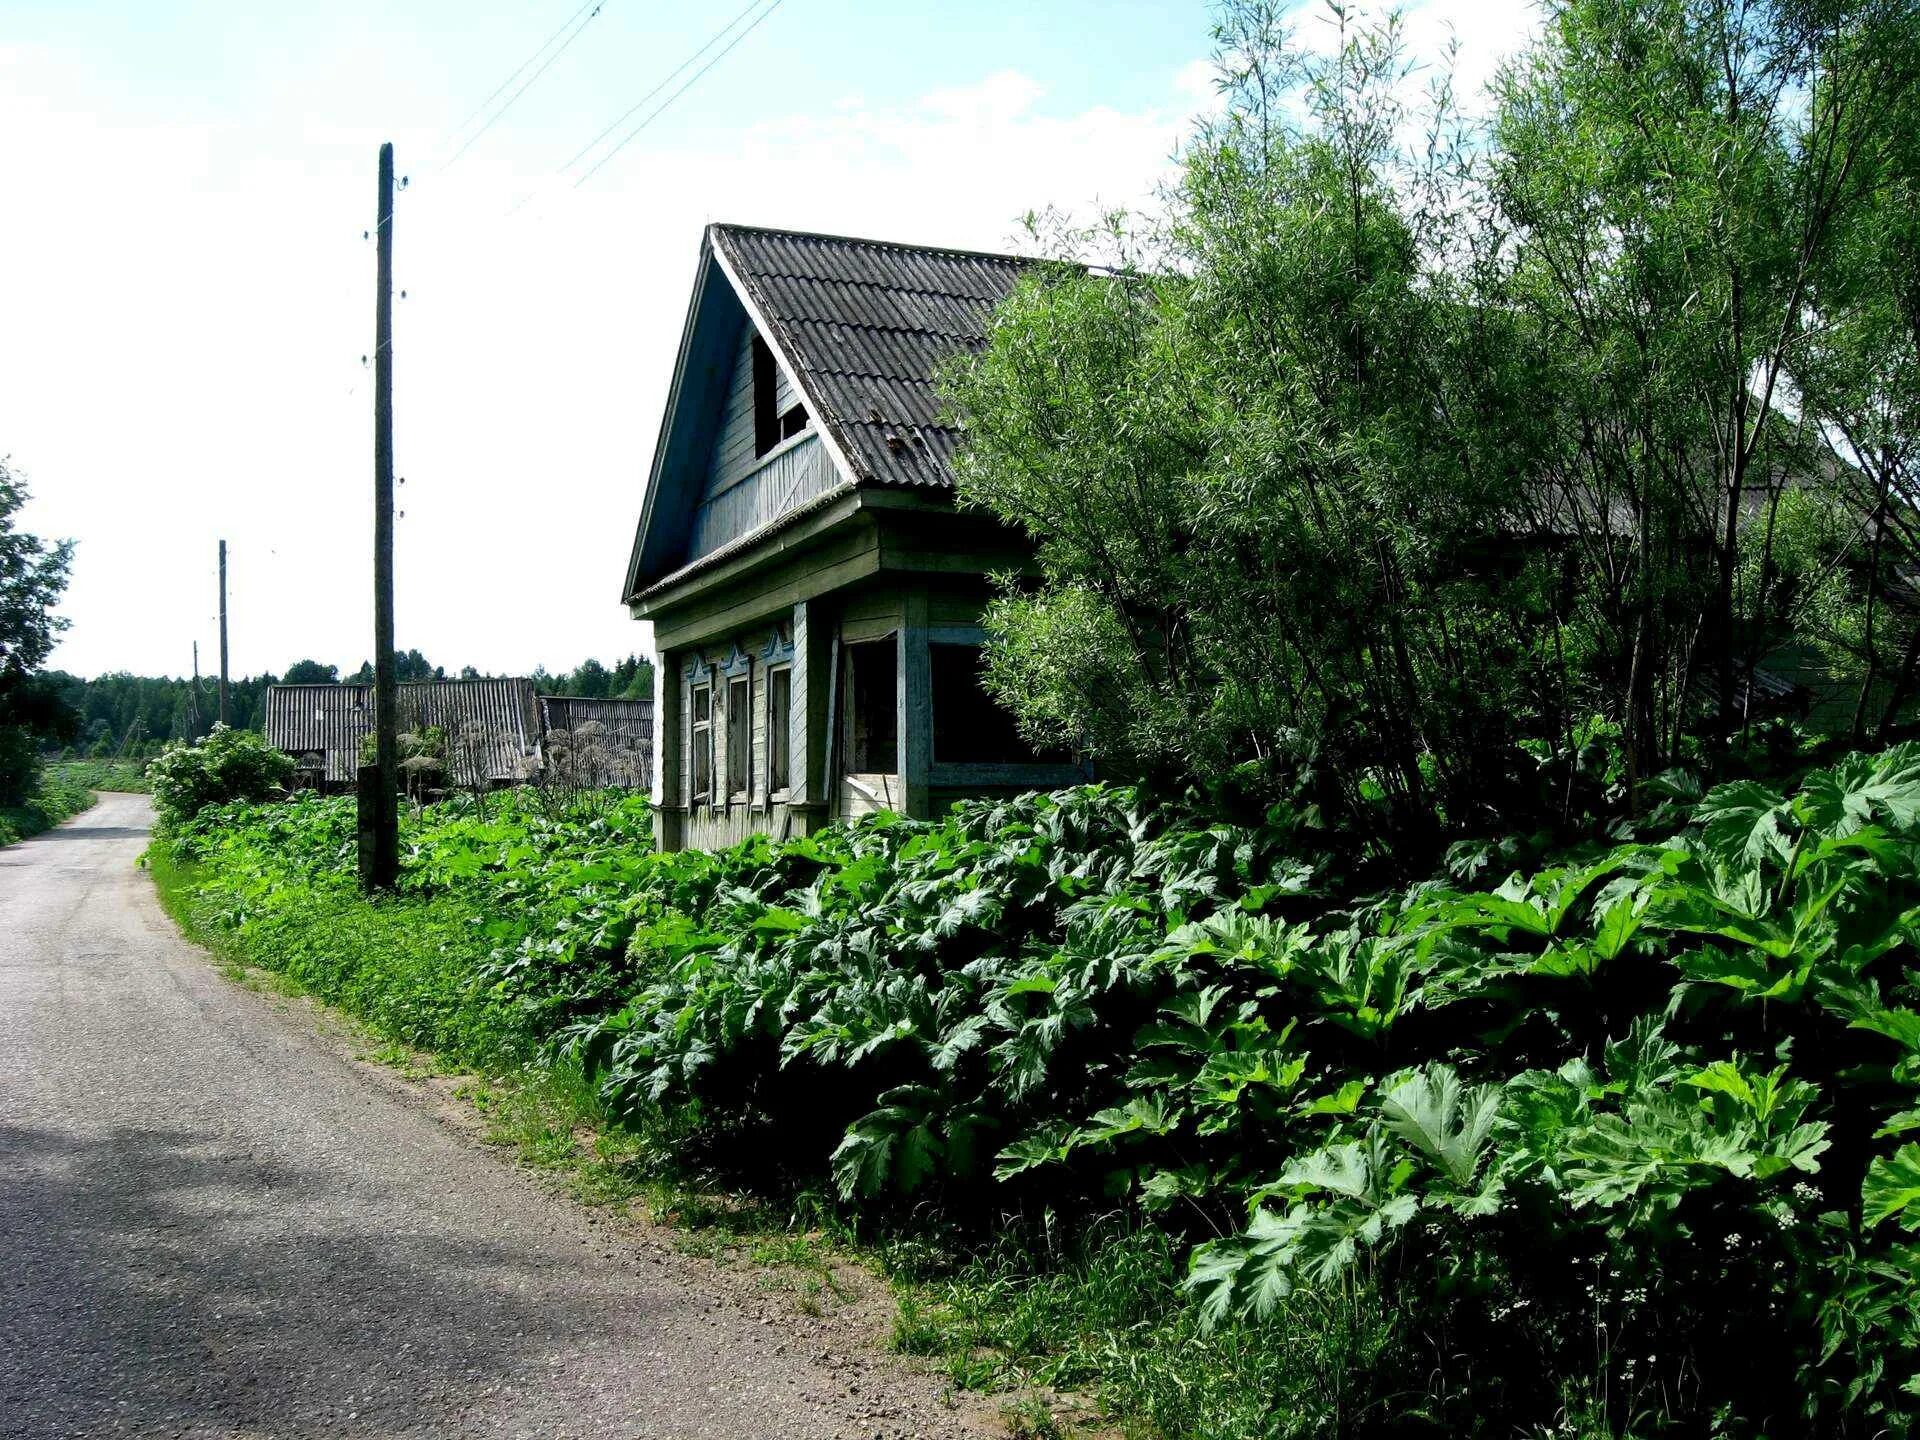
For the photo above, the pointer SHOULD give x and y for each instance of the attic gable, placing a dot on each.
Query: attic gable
(858, 330)
(867, 325)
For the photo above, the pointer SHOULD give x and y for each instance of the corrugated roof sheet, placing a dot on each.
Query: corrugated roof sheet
(325, 723)
(867, 325)
(627, 723)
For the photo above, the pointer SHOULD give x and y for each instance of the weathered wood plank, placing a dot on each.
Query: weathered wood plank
(916, 703)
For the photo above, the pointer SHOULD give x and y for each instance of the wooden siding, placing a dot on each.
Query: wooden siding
(733, 454)
(791, 474)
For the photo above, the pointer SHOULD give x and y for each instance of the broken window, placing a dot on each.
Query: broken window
(703, 744)
(969, 726)
(766, 398)
(739, 736)
(872, 730)
(779, 715)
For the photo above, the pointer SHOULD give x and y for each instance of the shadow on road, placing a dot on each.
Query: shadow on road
(154, 1281)
(81, 831)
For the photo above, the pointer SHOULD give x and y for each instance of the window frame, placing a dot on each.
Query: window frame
(700, 732)
(856, 700)
(781, 734)
(740, 746)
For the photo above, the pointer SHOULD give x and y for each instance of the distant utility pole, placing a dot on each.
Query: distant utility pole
(379, 808)
(193, 697)
(223, 632)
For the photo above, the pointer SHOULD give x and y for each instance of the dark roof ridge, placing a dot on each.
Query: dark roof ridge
(999, 256)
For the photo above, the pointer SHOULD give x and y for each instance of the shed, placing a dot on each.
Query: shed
(322, 726)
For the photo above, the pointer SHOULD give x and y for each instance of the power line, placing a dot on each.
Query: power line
(529, 82)
(693, 80)
(500, 89)
(666, 80)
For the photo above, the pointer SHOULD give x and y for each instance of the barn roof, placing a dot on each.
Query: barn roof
(329, 721)
(627, 724)
(866, 326)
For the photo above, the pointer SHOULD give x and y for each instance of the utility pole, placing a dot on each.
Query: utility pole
(193, 697)
(379, 810)
(223, 632)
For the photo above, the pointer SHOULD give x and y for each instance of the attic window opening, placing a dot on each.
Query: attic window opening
(767, 422)
(793, 422)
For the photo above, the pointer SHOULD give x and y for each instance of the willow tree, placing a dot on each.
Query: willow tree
(1673, 179)
(1268, 548)
(1394, 461)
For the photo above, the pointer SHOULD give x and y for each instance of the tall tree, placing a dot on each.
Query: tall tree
(1670, 179)
(33, 576)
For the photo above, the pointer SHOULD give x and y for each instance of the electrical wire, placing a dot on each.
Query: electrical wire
(666, 80)
(528, 83)
(661, 108)
(500, 89)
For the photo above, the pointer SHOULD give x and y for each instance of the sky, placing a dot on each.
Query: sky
(186, 294)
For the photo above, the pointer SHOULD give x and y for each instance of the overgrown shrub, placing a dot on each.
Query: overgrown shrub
(1619, 1144)
(223, 766)
(52, 799)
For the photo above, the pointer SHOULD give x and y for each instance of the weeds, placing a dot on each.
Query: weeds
(1369, 1163)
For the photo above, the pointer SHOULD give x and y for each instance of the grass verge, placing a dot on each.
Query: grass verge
(56, 799)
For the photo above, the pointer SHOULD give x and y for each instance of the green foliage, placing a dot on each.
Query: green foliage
(33, 576)
(53, 798)
(1663, 1090)
(226, 765)
(121, 776)
(1387, 450)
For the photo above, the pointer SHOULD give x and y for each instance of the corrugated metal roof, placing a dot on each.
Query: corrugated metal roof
(627, 723)
(324, 724)
(622, 728)
(867, 324)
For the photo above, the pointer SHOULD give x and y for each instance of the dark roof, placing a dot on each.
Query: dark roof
(866, 324)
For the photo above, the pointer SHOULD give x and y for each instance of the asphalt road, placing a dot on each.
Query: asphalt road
(213, 1222)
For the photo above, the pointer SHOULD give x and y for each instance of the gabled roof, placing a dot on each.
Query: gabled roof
(862, 327)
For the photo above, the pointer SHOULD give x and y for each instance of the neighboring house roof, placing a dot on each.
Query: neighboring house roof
(327, 722)
(627, 724)
(861, 326)
(323, 723)
(866, 326)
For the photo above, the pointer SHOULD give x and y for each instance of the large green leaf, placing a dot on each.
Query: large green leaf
(1863, 789)
(1892, 1189)
(1446, 1121)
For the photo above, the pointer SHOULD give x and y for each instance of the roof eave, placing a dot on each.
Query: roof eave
(669, 414)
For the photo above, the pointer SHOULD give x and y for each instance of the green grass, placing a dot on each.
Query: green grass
(1110, 1320)
(57, 799)
(122, 776)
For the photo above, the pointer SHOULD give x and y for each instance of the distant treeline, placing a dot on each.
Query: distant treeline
(134, 714)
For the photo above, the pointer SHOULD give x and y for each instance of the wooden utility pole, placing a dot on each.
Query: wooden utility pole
(193, 697)
(223, 632)
(379, 810)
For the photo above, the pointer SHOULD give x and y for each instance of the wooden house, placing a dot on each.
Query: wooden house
(815, 593)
